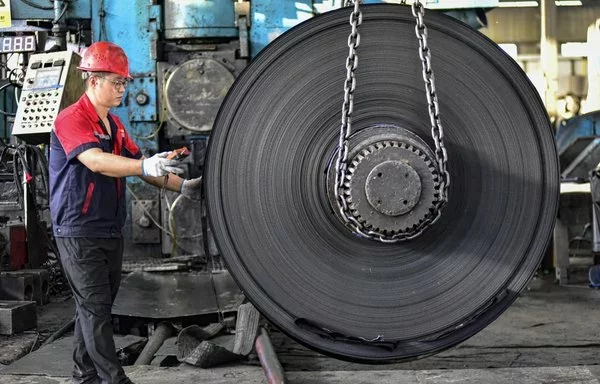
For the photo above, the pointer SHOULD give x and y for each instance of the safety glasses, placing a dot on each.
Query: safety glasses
(117, 83)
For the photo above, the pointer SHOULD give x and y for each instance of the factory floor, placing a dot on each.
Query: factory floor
(550, 335)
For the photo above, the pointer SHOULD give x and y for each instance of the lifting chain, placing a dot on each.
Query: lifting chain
(437, 133)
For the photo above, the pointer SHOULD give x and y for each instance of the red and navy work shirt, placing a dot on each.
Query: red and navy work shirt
(84, 203)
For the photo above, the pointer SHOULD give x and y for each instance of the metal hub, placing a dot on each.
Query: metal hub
(393, 188)
(392, 185)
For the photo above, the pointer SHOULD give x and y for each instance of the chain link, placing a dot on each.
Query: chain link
(342, 183)
(437, 132)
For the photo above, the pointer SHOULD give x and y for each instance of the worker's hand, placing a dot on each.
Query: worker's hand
(192, 189)
(158, 165)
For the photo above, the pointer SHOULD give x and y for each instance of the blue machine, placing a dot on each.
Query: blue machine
(578, 142)
(184, 57)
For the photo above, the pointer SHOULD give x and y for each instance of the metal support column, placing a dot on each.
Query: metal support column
(561, 252)
(549, 54)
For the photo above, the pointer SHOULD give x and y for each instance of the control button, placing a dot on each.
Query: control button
(35, 65)
(59, 63)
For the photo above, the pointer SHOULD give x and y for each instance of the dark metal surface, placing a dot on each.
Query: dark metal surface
(194, 91)
(353, 298)
(56, 359)
(369, 148)
(585, 161)
(143, 229)
(578, 142)
(167, 295)
(392, 186)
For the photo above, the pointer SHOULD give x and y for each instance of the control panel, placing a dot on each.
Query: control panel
(52, 82)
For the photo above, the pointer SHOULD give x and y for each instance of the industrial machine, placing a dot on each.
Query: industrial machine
(578, 144)
(51, 83)
(390, 238)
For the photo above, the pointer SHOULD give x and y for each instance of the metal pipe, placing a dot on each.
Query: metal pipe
(64, 329)
(59, 26)
(162, 332)
(268, 359)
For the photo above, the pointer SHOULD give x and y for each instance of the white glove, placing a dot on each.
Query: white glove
(158, 165)
(192, 189)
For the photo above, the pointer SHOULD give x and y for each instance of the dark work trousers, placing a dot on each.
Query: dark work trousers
(93, 268)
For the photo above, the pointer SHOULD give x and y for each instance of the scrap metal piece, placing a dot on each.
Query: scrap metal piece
(166, 295)
(17, 316)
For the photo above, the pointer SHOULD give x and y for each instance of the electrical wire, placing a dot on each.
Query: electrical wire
(2, 88)
(136, 198)
(27, 162)
(171, 220)
(34, 5)
(42, 159)
(155, 221)
(13, 83)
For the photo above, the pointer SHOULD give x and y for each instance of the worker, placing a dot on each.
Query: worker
(91, 153)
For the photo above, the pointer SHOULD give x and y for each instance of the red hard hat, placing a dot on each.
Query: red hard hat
(103, 56)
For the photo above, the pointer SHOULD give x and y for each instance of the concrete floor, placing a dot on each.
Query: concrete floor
(550, 335)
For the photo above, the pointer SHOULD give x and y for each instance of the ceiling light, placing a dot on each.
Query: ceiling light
(568, 3)
(559, 3)
(518, 4)
(576, 49)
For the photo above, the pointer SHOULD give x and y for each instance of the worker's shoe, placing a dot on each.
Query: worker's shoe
(87, 380)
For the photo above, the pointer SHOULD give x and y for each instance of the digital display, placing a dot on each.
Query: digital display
(9, 44)
(47, 77)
